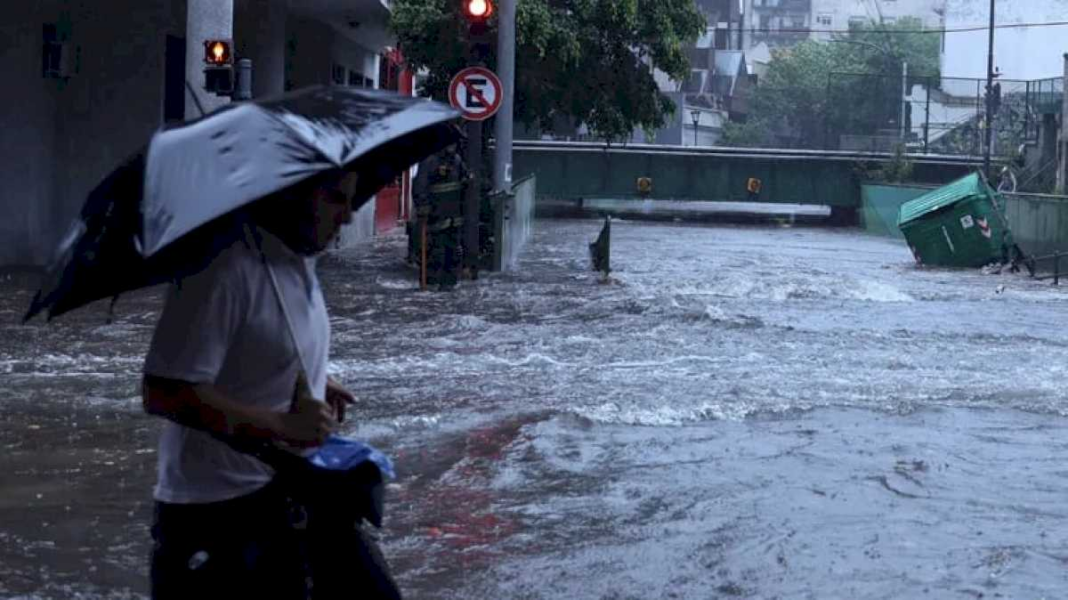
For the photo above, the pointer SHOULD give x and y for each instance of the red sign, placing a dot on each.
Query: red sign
(477, 92)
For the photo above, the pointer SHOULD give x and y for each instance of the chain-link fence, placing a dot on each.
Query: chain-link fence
(943, 115)
(884, 113)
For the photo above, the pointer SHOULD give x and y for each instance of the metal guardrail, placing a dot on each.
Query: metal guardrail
(1056, 258)
(949, 159)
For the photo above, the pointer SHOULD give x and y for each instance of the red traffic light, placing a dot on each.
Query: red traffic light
(217, 52)
(478, 10)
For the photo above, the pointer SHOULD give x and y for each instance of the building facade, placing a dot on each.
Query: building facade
(724, 19)
(89, 83)
(776, 23)
(779, 23)
(841, 15)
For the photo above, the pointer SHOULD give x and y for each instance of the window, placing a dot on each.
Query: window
(825, 20)
(857, 22)
(889, 20)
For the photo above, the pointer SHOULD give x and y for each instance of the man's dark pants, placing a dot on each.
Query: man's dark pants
(254, 546)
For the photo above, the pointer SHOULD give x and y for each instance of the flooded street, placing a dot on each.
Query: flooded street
(751, 412)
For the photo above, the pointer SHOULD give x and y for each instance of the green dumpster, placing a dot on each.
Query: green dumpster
(957, 225)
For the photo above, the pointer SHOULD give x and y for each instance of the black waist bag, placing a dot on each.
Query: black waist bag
(343, 558)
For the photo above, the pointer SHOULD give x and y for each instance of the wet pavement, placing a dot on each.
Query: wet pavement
(752, 412)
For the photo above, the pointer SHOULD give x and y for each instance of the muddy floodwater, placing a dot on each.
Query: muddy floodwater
(739, 412)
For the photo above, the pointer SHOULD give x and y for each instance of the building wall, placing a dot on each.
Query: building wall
(112, 107)
(260, 35)
(27, 147)
(313, 50)
(839, 14)
(1020, 53)
(62, 136)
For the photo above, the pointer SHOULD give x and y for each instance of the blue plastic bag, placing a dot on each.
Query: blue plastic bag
(340, 454)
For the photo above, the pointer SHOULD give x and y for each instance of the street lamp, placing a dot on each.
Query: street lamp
(695, 115)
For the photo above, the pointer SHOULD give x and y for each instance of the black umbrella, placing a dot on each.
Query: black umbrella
(165, 212)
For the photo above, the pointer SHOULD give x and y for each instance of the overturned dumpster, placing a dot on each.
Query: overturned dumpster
(957, 225)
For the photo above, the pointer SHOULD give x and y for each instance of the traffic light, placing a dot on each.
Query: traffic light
(477, 14)
(219, 72)
(478, 10)
(217, 52)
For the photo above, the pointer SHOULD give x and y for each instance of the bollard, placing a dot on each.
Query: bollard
(1056, 268)
(243, 87)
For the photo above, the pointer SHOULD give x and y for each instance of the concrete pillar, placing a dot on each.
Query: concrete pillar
(205, 20)
(260, 35)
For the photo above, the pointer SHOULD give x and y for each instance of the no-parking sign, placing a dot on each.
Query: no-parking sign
(477, 92)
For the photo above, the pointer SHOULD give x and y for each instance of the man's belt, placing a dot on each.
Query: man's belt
(444, 188)
(443, 224)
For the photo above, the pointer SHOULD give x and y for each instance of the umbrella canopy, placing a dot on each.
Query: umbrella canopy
(164, 213)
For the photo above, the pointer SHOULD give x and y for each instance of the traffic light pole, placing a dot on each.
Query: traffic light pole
(472, 196)
(502, 163)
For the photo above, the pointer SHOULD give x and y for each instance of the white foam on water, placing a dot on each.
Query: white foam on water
(396, 284)
(662, 363)
(876, 291)
(470, 322)
(613, 413)
(535, 358)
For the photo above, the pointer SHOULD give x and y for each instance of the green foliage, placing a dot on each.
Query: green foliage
(852, 84)
(753, 133)
(586, 61)
(896, 42)
(897, 170)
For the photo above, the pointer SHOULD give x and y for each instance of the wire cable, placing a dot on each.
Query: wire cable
(925, 31)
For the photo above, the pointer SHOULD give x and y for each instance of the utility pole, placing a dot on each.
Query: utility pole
(502, 164)
(989, 97)
(1062, 160)
(904, 98)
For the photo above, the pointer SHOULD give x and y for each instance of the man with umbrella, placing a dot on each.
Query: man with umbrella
(217, 365)
(231, 210)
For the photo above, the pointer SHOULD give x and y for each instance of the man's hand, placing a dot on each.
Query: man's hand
(309, 422)
(337, 397)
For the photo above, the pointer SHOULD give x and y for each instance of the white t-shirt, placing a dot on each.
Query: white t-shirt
(224, 326)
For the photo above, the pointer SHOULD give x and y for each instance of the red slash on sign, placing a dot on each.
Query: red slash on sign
(477, 92)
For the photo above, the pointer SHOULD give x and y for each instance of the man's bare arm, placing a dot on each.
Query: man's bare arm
(206, 408)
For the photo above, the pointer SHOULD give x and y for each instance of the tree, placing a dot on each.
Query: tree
(852, 84)
(586, 61)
